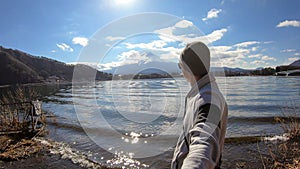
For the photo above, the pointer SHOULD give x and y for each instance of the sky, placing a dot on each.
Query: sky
(240, 33)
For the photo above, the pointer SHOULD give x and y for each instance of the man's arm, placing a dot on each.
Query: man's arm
(204, 148)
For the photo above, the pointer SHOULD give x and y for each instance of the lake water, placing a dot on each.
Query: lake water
(136, 123)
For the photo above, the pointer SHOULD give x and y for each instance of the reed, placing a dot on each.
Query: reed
(16, 124)
(286, 154)
(14, 108)
(290, 120)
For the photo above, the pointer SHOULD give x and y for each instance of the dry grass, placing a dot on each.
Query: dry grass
(286, 154)
(290, 120)
(21, 149)
(16, 124)
(14, 107)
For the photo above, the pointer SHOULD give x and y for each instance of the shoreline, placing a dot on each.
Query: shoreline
(237, 153)
(70, 82)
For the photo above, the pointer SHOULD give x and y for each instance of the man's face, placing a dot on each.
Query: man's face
(186, 74)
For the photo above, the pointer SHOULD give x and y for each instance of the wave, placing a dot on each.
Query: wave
(73, 127)
(70, 126)
(270, 119)
(275, 139)
(146, 128)
(238, 139)
(87, 160)
(244, 139)
(256, 139)
(66, 152)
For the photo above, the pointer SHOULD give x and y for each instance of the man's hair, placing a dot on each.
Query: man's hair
(196, 58)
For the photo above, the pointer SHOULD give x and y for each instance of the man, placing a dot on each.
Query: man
(205, 117)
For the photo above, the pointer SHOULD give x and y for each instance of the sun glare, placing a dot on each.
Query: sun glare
(123, 2)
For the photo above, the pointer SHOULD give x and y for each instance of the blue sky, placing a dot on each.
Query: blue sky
(241, 33)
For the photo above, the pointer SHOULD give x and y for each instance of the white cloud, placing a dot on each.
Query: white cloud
(230, 53)
(188, 37)
(114, 38)
(167, 39)
(213, 13)
(132, 56)
(184, 24)
(258, 62)
(236, 55)
(108, 66)
(173, 53)
(246, 44)
(72, 33)
(292, 59)
(90, 64)
(157, 50)
(64, 47)
(287, 23)
(268, 42)
(80, 41)
(168, 31)
(215, 35)
(53, 51)
(297, 54)
(207, 39)
(169, 56)
(154, 45)
(255, 56)
(126, 58)
(159, 47)
(230, 56)
(265, 57)
(244, 54)
(239, 55)
(288, 50)
(220, 48)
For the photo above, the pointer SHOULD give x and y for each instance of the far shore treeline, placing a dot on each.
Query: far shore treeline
(17, 67)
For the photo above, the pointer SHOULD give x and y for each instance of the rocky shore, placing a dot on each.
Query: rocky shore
(38, 153)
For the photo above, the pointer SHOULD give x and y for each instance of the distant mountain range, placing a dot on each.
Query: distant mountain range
(145, 68)
(162, 67)
(220, 69)
(17, 67)
(293, 66)
(296, 63)
(156, 66)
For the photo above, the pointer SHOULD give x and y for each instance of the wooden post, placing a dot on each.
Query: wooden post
(32, 119)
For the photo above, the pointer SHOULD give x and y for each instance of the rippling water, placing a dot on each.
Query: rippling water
(255, 101)
(118, 121)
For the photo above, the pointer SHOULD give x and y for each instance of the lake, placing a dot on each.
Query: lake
(137, 122)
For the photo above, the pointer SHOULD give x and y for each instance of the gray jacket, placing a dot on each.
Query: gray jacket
(204, 126)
